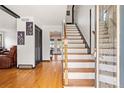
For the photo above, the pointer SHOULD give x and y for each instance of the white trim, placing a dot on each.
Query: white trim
(97, 52)
(118, 46)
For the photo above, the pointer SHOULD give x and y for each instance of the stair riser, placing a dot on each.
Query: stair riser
(77, 51)
(73, 34)
(81, 65)
(76, 45)
(72, 31)
(80, 57)
(74, 75)
(71, 27)
(75, 40)
(81, 42)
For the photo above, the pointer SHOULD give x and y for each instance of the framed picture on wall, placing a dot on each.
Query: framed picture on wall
(29, 28)
(68, 13)
(20, 37)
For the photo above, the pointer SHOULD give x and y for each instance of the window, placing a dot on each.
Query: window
(1, 40)
(105, 15)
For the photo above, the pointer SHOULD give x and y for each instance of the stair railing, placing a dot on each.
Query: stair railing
(65, 57)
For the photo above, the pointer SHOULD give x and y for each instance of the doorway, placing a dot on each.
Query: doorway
(55, 46)
(38, 44)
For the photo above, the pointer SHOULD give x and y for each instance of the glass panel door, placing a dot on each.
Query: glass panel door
(107, 56)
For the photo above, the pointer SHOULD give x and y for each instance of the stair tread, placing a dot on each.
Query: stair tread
(81, 82)
(79, 54)
(80, 60)
(85, 70)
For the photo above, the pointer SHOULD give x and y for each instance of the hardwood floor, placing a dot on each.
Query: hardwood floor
(45, 75)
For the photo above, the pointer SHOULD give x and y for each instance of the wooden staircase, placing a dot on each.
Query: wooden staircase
(80, 67)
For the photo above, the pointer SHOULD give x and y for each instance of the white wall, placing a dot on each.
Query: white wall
(69, 18)
(47, 17)
(46, 38)
(9, 38)
(82, 18)
(8, 28)
(26, 52)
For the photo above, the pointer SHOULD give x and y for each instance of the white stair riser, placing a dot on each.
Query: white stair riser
(75, 40)
(77, 37)
(71, 30)
(80, 57)
(76, 45)
(73, 34)
(77, 50)
(68, 31)
(81, 65)
(74, 75)
(71, 27)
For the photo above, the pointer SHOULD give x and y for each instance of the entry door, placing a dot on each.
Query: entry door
(38, 45)
(107, 47)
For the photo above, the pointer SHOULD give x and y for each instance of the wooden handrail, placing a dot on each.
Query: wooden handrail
(66, 57)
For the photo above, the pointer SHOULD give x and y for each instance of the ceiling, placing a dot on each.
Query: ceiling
(43, 14)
